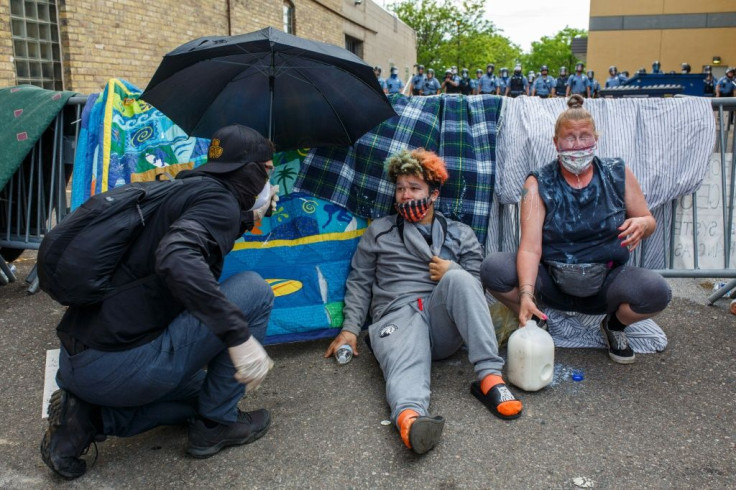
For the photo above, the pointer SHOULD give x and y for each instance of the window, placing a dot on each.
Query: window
(354, 45)
(35, 32)
(289, 23)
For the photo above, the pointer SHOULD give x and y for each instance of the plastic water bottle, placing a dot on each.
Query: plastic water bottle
(531, 357)
(344, 354)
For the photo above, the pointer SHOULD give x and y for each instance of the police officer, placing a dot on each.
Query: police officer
(726, 84)
(393, 82)
(466, 85)
(417, 81)
(578, 83)
(488, 84)
(381, 81)
(685, 68)
(530, 76)
(595, 87)
(431, 84)
(709, 83)
(615, 78)
(503, 81)
(544, 85)
(475, 83)
(561, 86)
(656, 68)
(518, 84)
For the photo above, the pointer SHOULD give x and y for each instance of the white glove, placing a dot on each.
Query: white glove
(251, 362)
(260, 212)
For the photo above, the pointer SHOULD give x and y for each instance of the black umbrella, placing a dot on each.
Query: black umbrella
(300, 93)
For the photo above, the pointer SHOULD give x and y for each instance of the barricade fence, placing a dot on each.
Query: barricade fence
(694, 237)
(34, 199)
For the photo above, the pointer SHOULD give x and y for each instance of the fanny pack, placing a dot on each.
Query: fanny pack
(580, 280)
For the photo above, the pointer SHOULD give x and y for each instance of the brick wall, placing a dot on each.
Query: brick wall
(7, 69)
(103, 39)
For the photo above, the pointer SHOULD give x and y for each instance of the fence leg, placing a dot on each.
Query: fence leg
(722, 291)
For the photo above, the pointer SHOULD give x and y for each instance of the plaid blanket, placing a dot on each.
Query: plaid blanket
(462, 130)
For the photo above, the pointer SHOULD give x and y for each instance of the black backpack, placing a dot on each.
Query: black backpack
(77, 258)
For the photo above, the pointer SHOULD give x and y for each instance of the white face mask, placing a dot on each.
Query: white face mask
(577, 161)
(263, 197)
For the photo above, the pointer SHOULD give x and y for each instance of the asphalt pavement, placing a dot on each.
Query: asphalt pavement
(666, 421)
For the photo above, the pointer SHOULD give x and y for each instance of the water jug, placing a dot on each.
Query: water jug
(531, 357)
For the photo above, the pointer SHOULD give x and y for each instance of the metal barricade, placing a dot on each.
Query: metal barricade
(724, 109)
(35, 197)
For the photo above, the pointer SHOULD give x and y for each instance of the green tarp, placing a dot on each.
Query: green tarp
(25, 111)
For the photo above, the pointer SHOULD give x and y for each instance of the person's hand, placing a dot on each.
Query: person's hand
(528, 308)
(259, 213)
(633, 231)
(343, 338)
(438, 267)
(251, 363)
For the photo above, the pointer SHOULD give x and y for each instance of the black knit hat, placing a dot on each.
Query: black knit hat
(234, 146)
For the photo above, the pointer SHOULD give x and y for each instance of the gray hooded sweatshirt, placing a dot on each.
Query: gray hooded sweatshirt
(388, 272)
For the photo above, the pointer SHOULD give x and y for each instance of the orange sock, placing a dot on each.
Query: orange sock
(508, 408)
(405, 419)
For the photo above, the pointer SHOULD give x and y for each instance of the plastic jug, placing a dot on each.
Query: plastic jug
(531, 357)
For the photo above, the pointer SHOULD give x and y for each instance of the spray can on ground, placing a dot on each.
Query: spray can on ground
(531, 357)
(344, 354)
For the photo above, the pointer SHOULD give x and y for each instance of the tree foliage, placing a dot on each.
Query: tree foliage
(448, 34)
(554, 52)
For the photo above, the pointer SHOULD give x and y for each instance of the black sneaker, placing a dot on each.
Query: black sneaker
(205, 441)
(70, 433)
(619, 349)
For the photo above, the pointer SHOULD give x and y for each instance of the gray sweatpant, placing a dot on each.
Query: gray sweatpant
(407, 340)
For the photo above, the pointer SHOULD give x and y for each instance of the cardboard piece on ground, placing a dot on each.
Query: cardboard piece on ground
(49, 383)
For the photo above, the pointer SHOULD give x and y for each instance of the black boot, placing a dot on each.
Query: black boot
(207, 441)
(71, 431)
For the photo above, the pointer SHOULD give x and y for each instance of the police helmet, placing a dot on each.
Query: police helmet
(420, 67)
(656, 65)
(730, 70)
(377, 68)
(543, 68)
(394, 70)
(530, 74)
(431, 70)
(491, 66)
(563, 70)
(448, 71)
(517, 69)
(642, 70)
(579, 66)
(612, 69)
(504, 70)
(478, 71)
(464, 71)
(707, 69)
(454, 70)
(686, 68)
(590, 73)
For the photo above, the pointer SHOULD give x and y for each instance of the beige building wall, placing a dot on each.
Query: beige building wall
(694, 32)
(103, 39)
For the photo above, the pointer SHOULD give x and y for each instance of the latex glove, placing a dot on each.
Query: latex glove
(269, 206)
(251, 362)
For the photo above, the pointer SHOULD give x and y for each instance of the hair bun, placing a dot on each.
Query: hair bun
(575, 101)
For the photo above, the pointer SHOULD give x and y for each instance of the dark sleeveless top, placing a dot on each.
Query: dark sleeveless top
(581, 225)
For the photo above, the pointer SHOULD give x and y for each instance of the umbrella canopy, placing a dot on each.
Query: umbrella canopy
(299, 93)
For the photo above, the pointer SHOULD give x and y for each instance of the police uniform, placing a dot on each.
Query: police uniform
(709, 86)
(431, 86)
(561, 85)
(543, 85)
(578, 84)
(417, 82)
(466, 86)
(382, 83)
(394, 84)
(725, 86)
(517, 85)
(488, 84)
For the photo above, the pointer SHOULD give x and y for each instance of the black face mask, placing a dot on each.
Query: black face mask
(246, 183)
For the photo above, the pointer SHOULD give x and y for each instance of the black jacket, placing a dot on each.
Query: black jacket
(172, 266)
